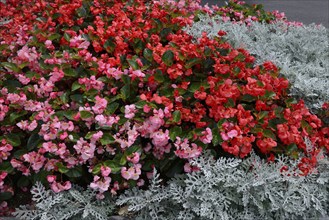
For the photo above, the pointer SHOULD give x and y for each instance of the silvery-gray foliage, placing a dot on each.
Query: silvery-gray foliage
(301, 52)
(73, 204)
(230, 188)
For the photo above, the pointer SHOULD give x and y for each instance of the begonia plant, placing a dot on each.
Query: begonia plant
(100, 92)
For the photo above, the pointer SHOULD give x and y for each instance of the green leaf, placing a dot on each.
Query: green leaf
(125, 79)
(148, 54)
(70, 72)
(133, 64)
(67, 37)
(248, 98)
(168, 58)
(133, 149)
(81, 12)
(54, 36)
(125, 92)
(262, 114)
(62, 168)
(97, 169)
(107, 139)
(269, 134)
(77, 98)
(33, 141)
(269, 95)
(175, 132)
(85, 114)
(5, 196)
(16, 115)
(216, 139)
(6, 167)
(109, 45)
(13, 139)
(177, 116)
(189, 64)
(11, 66)
(194, 86)
(158, 76)
(69, 114)
(111, 108)
(115, 167)
(74, 172)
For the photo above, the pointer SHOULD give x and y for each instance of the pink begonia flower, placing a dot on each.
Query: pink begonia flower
(132, 173)
(19, 99)
(207, 136)
(185, 151)
(56, 75)
(140, 182)
(23, 125)
(5, 149)
(23, 79)
(95, 137)
(67, 126)
(84, 45)
(51, 178)
(105, 171)
(58, 187)
(79, 42)
(50, 147)
(100, 105)
(134, 158)
(130, 111)
(102, 185)
(48, 43)
(91, 83)
(146, 108)
(137, 73)
(32, 126)
(229, 135)
(27, 54)
(51, 164)
(84, 148)
(158, 152)
(233, 133)
(188, 168)
(160, 138)
(36, 160)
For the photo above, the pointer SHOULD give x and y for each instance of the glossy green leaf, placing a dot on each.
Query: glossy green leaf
(115, 167)
(17, 115)
(85, 114)
(190, 63)
(168, 58)
(62, 168)
(177, 116)
(175, 132)
(70, 72)
(148, 54)
(11, 66)
(33, 141)
(107, 139)
(13, 139)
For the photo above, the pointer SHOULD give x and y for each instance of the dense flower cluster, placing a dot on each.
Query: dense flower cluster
(99, 92)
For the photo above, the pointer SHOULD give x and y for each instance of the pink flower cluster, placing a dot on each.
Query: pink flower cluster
(91, 83)
(79, 42)
(184, 150)
(5, 149)
(131, 173)
(58, 186)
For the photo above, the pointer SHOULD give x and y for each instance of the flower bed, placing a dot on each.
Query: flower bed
(100, 93)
